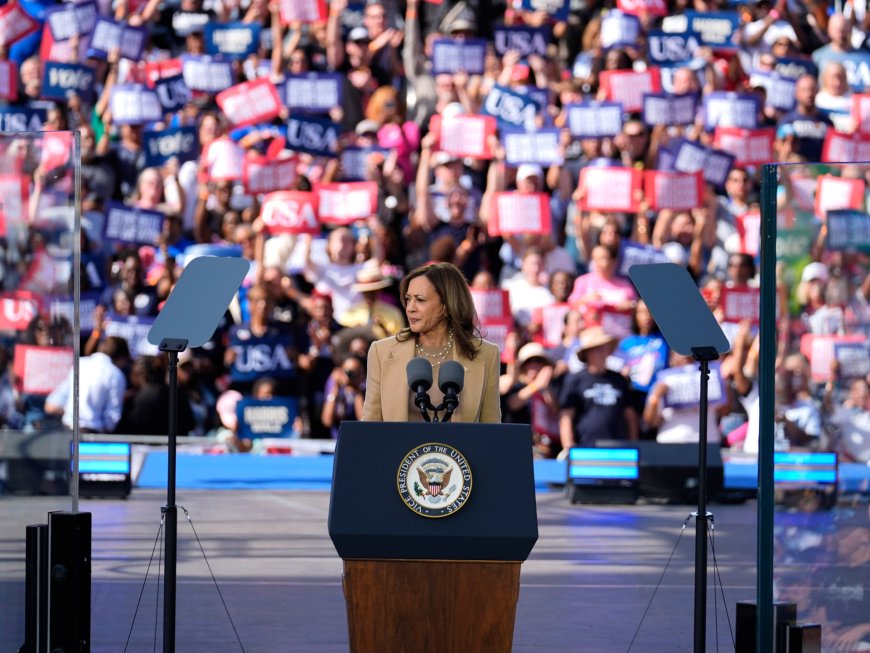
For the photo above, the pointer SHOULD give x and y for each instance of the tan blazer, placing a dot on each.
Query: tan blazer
(387, 392)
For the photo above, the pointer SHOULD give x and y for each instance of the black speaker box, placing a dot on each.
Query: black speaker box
(670, 471)
(69, 582)
(784, 616)
(804, 638)
(35, 584)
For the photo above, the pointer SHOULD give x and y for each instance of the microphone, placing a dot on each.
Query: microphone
(419, 373)
(450, 381)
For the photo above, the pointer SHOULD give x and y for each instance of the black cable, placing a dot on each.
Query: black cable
(159, 575)
(721, 586)
(144, 582)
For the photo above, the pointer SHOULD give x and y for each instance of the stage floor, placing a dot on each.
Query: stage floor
(584, 588)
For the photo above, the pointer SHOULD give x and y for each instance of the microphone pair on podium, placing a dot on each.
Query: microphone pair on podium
(450, 381)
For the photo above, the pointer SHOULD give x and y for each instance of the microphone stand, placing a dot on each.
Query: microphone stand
(422, 402)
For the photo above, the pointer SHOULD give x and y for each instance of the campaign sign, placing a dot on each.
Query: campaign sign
(726, 109)
(14, 191)
(819, 350)
(250, 103)
(619, 29)
(265, 176)
(794, 68)
(497, 330)
(134, 329)
(552, 321)
(232, 40)
(154, 71)
(632, 254)
(60, 80)
(834, 193)
(130, 224)
(312, 135)
(857, 65)
(749, 231)
(41, 369)
(266, 418)
(525, 40)
(491, 304)
(557, 9)
(71, 19)
(740, 303)
(17, 310)
(63, 308)
(510, 108)
(667, 109)
(848, 230)
(290, 212)
(185, 23)
(223, 159)
(521, 213)
(690, 156)
(853, 359)
(750, 147)
(672, 49)
(540, 146)
(594, 119)
(163, 144)
(845, 148)
(110, 35)
(793, 243)
(304, 11)
(643, 7)
(628, 86)
(345, 203)
(172, 93)
(861, 112)
(465, 135)
(716, 28)
(355, 161)
(133, 104)
(260, 356)
(676, 191)
(314, 92)
(8, 80)
(684, 386)
(15, 23)
(458, 55)
(203, 74)
(780, 90)
(610, 189)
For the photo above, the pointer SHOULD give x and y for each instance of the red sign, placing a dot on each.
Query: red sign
(497, 330)
(41, 369)
(834, 193)
(17, 309)
(250, 103)
(740, 303)
(615, 322)
(819, 350)
(15, 23)
(674, 190)
(610, 189)
(304, 11)
(643, 7)
(345, 203)
(628, 86)
(264, 176)
(491, 303)
(552, 321)
(56, 148)
(521, 213)
(8, 80)
(465, 135)
(861, 112)
(845, 148)
(290, 212)
(749, 146)
(156, 70)
(749, 230)
(223, 160)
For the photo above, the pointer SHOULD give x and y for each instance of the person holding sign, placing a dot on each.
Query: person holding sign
(443, 326)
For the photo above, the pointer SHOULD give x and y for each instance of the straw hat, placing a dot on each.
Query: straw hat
(369, 279)
(532, 350)
(594, 337)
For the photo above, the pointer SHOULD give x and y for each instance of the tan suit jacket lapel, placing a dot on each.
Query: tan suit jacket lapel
(472, 389)
(394, 384)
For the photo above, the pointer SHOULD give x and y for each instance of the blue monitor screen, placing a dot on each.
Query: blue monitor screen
(594, 464)
(104, 458)
(804, 469)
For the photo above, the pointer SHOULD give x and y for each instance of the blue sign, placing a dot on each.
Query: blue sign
(203, 74)
(857, 65)
(458, 55)
(619, 30)
(134, 329)
(71, 19)
(161, 145)
(60, 80)
(256, 357)
(667, 109)
(794, 68)
(233, 40)
(848, 229)
(690, 156)
(594, 119)
(110, 35)
(172, 93)
(667, 49)
(21, 119)
(525, 40)
(724, 109)
(130, 224)
(355, 162)
(716, 28)
(558, 9)
(540, 146)
(779, 90)
(510, 108)
(134, 104)
(266, 418)
(314, 92)
(312, 135)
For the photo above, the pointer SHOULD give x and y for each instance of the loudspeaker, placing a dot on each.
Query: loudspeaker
(803, 638)
(69, 582)
(670, 471)
(35, 586)
(784, 616)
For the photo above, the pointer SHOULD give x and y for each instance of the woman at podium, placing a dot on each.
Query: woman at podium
(443, 326)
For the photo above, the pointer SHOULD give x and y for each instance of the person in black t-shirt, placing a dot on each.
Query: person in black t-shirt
(594, 403)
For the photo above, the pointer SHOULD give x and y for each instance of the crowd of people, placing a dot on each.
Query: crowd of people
(475, 132)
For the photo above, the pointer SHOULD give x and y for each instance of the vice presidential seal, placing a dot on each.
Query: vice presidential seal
(434, 480)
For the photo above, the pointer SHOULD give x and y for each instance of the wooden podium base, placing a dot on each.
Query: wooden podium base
(433, 606)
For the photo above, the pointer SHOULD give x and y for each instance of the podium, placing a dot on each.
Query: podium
(433, 522)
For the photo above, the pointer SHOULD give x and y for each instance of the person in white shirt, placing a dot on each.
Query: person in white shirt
(101, 389)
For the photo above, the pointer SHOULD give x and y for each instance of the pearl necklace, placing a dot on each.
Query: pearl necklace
(438, 357)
